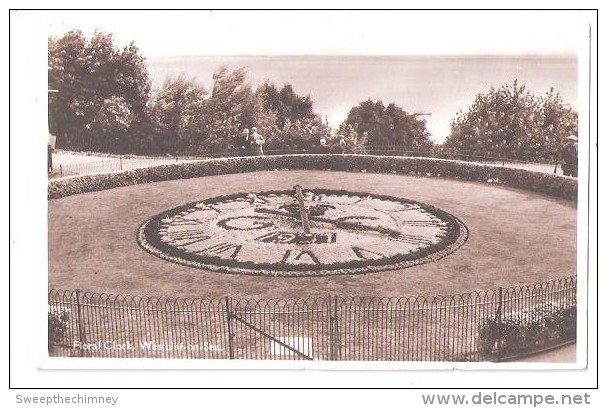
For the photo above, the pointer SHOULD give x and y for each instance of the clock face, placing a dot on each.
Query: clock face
(302, 232)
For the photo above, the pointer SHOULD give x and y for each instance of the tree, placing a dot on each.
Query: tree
(299, 135)
(556, 122)
(510, 122)
(389, 125)
(101, 103)
(178, 109)
(113, 116)
(297, 126)
(285, 119)
(67, 70)
(285, 103)
(354, 142)
(231, 107)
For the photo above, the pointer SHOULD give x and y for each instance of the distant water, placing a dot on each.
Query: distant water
(440, 85)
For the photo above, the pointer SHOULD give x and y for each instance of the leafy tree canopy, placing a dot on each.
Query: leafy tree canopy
(102, 92)
(511, 122)
(387, 125)
(177, 108)
(190, 120)
(285, 103)
(231, 107)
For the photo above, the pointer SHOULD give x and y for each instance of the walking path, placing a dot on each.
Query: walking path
(565, 354)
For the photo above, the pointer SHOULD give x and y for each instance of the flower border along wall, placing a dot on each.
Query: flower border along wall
(549, 184)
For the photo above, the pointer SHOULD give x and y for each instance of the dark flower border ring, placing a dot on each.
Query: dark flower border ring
(149, 239)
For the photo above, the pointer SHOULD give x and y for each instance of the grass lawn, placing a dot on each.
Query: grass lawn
(516, 237)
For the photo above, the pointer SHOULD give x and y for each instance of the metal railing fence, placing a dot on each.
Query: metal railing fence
(437, 328)
(112, 164)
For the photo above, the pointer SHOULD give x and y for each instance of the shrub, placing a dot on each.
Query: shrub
(526, 330)
(549, 184)
(58, 326)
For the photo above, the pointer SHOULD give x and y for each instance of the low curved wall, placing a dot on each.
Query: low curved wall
(549, 184)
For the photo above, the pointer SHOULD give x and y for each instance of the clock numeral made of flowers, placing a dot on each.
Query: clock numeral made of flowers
(302, 233)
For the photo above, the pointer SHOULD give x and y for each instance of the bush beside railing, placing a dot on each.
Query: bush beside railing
(58, 327)
(549, 184)
(524, 331)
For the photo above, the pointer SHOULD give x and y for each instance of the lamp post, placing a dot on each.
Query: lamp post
(415, 114)
(51, 139)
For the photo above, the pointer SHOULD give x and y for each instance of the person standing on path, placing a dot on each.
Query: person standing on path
(257, 142)
(342, 145)
(245, 143)
(569, 155)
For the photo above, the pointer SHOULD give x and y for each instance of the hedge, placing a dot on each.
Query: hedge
(545, 183)
(540, 327)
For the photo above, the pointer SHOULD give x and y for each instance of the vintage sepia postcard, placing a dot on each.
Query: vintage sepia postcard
(352, 190)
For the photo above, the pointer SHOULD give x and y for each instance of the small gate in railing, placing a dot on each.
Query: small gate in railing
(282, 330)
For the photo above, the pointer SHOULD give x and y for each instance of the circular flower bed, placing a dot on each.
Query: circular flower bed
(261, 234)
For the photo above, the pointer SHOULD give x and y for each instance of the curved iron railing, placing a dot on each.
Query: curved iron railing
(119, 163)
(474, 326)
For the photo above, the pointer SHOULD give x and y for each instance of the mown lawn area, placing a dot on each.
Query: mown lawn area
(515, 237)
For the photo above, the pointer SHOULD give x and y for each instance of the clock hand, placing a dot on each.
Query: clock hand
(338, 223)
(357, 226)
(303, 212)
(276, 212)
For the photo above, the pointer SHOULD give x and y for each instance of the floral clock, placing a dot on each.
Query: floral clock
(302, 233)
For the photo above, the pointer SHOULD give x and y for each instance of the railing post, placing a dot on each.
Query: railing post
(334, 330)
(498, 316)
(229, 316)
(330, 329)
(120, 163)
(61, 170)
(337, 336)
(81, 335)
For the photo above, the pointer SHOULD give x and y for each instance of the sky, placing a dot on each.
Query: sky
(177, 33)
